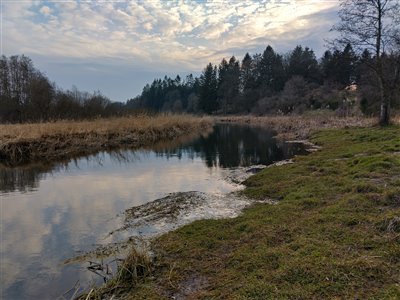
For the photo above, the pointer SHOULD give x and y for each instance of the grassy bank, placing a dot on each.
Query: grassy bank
(335, 233)
(25, 143)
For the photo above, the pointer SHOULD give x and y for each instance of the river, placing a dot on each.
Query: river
(50, 213)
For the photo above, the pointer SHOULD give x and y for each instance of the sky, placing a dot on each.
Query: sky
(117, 46)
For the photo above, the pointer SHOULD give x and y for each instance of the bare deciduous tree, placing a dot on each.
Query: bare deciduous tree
(372, 25)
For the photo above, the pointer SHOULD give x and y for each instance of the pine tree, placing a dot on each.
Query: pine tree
(208, 89)
(302, 62)
(229, 85)
(271, 71)
(340, 67)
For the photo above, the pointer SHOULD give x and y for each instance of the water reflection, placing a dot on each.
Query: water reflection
(228, 146)
(48, 212)
(21, 179)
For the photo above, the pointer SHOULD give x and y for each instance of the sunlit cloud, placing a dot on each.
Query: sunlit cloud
(45, 10)
(173, 35)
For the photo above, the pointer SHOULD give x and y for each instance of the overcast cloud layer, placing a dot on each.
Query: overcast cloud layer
(118, 46)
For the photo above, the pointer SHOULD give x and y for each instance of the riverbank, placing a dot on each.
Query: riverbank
(300, 127)
(335, 232)
(55, 141)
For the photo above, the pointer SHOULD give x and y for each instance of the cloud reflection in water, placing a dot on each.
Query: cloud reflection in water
(49, 213)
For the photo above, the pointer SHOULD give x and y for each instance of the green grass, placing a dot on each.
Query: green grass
(327, 238)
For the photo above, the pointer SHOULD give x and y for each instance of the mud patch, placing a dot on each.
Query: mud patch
(178, 209)
(181, 208)
(142, 223)
(104, 251)
(309, 147)
(239, 174)
(190, 288)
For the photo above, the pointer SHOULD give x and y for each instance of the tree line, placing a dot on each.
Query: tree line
(361, 75)
(263, 83)
(367, 54)
(27, 95)
(273, 83)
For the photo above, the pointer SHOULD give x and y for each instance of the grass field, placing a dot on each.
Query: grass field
(25, 143)
(335, 233)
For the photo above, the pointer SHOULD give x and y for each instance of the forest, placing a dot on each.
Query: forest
(262, 83)
(273, 83)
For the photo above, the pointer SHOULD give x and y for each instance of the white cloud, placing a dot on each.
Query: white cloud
(215, 31)
(171, 35)
(68, 5)
(156, 29)
(45, 10)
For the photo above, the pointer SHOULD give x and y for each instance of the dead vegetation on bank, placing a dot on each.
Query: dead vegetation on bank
(133, 270)
(25, 143)
(301, 127)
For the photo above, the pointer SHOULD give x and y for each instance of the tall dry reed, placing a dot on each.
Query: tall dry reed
(25, 143)
(139, 123)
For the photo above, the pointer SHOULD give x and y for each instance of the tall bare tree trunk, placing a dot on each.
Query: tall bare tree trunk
(384, 117)
(374, 24)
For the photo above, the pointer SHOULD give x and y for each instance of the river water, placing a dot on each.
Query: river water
(50, 213)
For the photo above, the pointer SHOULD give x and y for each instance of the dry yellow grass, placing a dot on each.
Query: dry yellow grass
(300, 127)
(396, 119)
(100, 126)
(23, 143)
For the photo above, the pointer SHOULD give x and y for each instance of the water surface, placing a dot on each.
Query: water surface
(49, 213)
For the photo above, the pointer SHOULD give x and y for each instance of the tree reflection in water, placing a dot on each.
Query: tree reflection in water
(227, 146)
(230, 146)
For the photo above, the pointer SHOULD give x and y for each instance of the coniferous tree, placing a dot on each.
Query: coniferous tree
(223, 85)
(327, 64)
(234, 78)
(348, 63)
(271, 71)
(208, 87)
(247, 80)
(302, 62)
(229, 85)
(340, 67)
(247, 84)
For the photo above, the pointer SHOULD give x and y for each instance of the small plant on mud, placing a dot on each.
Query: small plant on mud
(135, 268)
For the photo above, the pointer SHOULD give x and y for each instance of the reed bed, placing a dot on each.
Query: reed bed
(26, 143)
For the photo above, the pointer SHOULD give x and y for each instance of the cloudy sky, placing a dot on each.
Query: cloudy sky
(118, 46)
